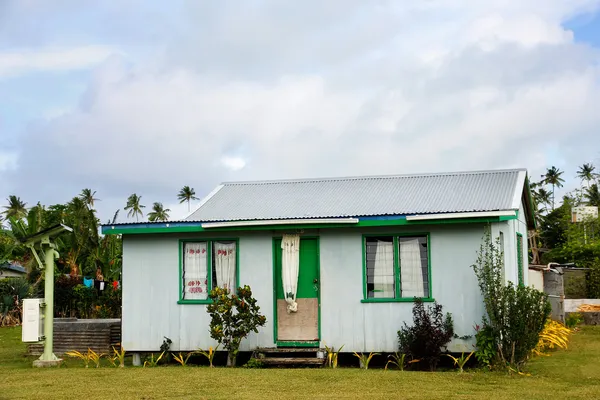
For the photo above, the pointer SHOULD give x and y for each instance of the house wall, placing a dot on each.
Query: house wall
(151, 288)
(6, 273)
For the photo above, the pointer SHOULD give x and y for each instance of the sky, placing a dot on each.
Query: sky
(145, 97)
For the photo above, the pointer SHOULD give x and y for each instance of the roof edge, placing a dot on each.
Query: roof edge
(360, 177)
(205, 200)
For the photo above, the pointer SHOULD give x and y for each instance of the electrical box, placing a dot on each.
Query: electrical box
(33, 320)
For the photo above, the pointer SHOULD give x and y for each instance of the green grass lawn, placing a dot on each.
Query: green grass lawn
(572, 374)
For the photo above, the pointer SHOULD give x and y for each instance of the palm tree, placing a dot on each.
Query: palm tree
(186, 194)
(553, 177)
(586, 173)
(158, 213)
(88, 197)
(134, 206)
(542, 197)
(15, 208)
(592, 194)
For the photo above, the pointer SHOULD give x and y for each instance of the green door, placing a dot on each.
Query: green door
(299, 328)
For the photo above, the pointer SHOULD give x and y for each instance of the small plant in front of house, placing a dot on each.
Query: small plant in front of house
(461, 361)
(165, 347)
(332, 356)
(573, 319)
(210, 354)
(486, 353)
(365, 359)
(120, 356)
(432, 330)
(398, 359)
(181, 359)
(152, 362)
(254, 363)
(88, 357)
(233, 317)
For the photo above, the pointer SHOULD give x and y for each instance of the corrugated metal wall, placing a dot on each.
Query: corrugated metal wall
(151, 285)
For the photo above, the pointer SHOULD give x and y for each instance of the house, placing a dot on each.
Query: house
(12, 270)
(363, 247)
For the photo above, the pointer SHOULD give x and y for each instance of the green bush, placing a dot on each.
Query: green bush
(516, 315)
(430, 333)
(573, 319)
(233, 317)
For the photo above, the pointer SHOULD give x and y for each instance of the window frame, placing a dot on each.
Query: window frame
(520, 260)
(397, 268)
(209, 246)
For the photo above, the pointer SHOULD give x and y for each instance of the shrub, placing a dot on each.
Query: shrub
(573, 319)
(109, 303)
(233, 317)
(516, 315)
(12, 292)
(431, 331)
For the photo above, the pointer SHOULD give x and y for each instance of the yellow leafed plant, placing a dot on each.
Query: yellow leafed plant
(555, 335)
(91, 355)
(210, 354)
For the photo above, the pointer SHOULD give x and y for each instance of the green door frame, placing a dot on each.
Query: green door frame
(288, 343)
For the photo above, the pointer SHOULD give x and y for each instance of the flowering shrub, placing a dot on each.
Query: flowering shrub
(233, 317)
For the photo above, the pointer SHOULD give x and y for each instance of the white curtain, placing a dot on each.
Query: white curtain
(195, 271)
(225, 260)
(290, 264)
(383, 270)
(411, 272)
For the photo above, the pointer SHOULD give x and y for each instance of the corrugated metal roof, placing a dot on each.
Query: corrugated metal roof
(363, 196)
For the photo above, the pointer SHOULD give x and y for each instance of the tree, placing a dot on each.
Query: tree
(553, 177)
(593, 195)
(158, 213)
(542, 198)
(186, 194)
(88, 197)
(586, 173)
(15, 209)
(233, 317)
(134, 207)
(515, 315)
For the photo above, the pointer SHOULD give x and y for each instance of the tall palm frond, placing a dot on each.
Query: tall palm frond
(186, 194)
(553, 177)
(87, 195)
(133, 207)
(16, 208)
(158, 213)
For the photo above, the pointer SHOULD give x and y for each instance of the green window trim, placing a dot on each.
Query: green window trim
(520, 263)
(397, 267)
(209, 246)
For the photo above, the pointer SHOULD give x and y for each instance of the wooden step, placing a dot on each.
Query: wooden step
(289, 350)
(287, 361)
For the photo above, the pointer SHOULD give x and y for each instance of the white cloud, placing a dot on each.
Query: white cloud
(434, 86)
(8, 160)
(233, 163)
(19, 62)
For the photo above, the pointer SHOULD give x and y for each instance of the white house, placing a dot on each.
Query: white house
(12, 270)
(367, 247)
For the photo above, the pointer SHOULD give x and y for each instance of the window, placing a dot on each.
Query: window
(197, 279)
(520, 258)
(501, 240)
(396, 267)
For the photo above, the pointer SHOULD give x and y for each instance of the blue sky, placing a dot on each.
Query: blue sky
(145, 97)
